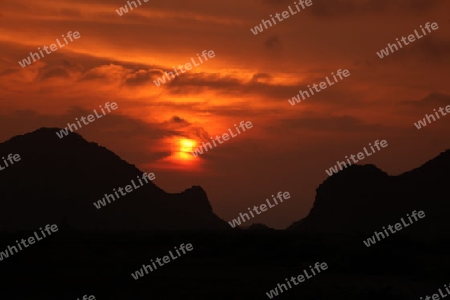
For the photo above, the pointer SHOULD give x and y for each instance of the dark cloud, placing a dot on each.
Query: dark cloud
(199, 133)
(205, 80)
(273, 43)
(433, 100)
(433, 49)
(326, 8)
(258, 76)
(176, 123)
(8, 72)
(137, 78)
(178, 120)
(428, 49)
(142, 77)
(56, 72)
(259, 85)
(348, 124)
(243, 110)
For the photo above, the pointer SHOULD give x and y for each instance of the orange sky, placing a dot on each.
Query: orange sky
(249, 79)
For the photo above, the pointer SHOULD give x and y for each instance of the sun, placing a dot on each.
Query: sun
(181, 157)
(187, 145)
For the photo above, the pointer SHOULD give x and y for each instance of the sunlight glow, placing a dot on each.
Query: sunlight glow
(187, 145)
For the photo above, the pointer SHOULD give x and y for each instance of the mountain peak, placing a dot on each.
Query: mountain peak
(362, 199)
(64, 177)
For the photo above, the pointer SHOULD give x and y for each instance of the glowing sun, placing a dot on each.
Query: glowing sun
(186, 146)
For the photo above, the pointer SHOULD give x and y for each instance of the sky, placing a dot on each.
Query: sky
(250, 78)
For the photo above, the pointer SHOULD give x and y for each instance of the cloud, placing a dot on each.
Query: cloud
(199, 133)
(433, 100)
(344, 8)
(261, 77)
(179, 120)
(54, 73)
(348, 124)
(259, 84)
(273, 43)
(433, 49)
(176, 123)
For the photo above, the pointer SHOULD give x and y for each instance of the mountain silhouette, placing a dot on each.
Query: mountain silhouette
(363, 199)
(258, 227)
(58, 180)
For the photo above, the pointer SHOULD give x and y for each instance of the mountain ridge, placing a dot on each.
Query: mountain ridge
(66, 176)
(362, 199)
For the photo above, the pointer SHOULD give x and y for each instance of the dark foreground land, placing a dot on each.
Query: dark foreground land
(222, 265)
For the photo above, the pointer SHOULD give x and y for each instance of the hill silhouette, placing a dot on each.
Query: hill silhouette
(362, 199)
(57, 181)
(259, 227)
